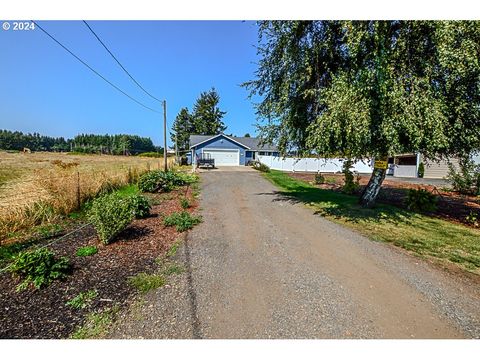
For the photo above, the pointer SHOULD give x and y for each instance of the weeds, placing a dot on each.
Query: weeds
(96, 324)
(181, 220)
(145, 282)
(184, 203)
(87, 251)
(82, 300)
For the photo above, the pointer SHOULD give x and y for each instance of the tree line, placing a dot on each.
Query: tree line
(84, 143)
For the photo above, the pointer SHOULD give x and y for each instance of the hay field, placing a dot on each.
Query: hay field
(38, 187)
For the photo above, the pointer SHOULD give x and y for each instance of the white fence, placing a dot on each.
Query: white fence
(312, 164)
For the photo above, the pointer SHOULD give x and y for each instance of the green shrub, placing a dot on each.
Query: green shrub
(164, 181)
(87, 251)
(184, 203)
(39, 267)
(257, 165)
(473, 218)
(421, 200)
(181, 220)
(140, 204)
(421, 170)
(319, 179)
(465, 180)
(110, 214)
(82, 300)
(351, 184)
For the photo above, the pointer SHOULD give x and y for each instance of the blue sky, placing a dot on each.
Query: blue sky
(44, 89)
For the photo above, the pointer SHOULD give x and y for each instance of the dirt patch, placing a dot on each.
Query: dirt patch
(451, 205)
(43, 313)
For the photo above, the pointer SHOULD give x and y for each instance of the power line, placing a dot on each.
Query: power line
(118, 62)
(94, 71)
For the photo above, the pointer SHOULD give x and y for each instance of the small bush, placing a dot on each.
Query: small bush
(257, 165)
(319, 179)
(473, 218)
(39, 267)
(82, 300)
(421, 200)
(110, 214)
(351, 184)
(87, 251)
(421, 170)
(184, 203)
(182, 220)
(465, 180)
(164, 181)
(140, 204)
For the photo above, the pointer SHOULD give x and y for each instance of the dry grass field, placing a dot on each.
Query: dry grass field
(38, 187)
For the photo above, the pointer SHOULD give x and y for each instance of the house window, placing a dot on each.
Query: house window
(262, 153)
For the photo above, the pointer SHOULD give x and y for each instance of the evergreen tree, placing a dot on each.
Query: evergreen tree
(182, 129)
(207, 116)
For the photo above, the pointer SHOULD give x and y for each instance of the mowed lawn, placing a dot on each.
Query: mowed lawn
(423, 235)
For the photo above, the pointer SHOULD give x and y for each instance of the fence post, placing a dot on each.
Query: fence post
(78, 190)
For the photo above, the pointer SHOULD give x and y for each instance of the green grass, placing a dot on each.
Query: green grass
(87, 251)
(173, 268)
(173, 249)
(423, 235)
(96, 324)
(128, 190)
(82, 300)
(145, 282)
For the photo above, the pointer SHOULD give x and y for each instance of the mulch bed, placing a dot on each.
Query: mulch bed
(451, 206)
(43, 313)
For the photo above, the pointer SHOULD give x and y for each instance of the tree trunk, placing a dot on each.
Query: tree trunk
(370, 193)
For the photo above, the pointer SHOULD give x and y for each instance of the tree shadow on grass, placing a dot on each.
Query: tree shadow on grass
(329, 203)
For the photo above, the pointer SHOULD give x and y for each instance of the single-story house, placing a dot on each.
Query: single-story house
(229, 150)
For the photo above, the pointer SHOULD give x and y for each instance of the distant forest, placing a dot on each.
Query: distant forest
(83, 143)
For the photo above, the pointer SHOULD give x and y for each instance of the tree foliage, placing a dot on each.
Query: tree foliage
(205, 119)
(86, 143)
(360, 89)
(207, 116)
(182, 129)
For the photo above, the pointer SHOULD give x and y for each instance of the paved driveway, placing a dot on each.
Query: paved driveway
(262, 267)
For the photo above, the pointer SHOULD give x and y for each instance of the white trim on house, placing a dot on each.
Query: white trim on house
(215, 136)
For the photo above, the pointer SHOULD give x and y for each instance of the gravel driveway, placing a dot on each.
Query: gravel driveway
(260, 266)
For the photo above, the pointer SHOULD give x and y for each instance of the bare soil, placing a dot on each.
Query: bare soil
(451, 206)
(43, 313)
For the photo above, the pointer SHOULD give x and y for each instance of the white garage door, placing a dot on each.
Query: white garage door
(224, 157)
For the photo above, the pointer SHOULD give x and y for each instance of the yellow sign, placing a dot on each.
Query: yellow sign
(380, 164)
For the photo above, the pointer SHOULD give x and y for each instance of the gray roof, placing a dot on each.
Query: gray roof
(250, 142)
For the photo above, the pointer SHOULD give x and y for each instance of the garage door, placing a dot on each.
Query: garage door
(224, 157)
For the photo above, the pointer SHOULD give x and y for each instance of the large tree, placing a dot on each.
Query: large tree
(359, 89)
(207, 116)
(182, 129)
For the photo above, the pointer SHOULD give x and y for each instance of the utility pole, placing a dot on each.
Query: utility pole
(165, 134)
(176, 147)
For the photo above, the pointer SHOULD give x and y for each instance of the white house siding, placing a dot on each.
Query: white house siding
(311, 164)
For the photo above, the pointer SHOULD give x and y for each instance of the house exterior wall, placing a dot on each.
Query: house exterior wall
(222, 143)
(434, 170)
